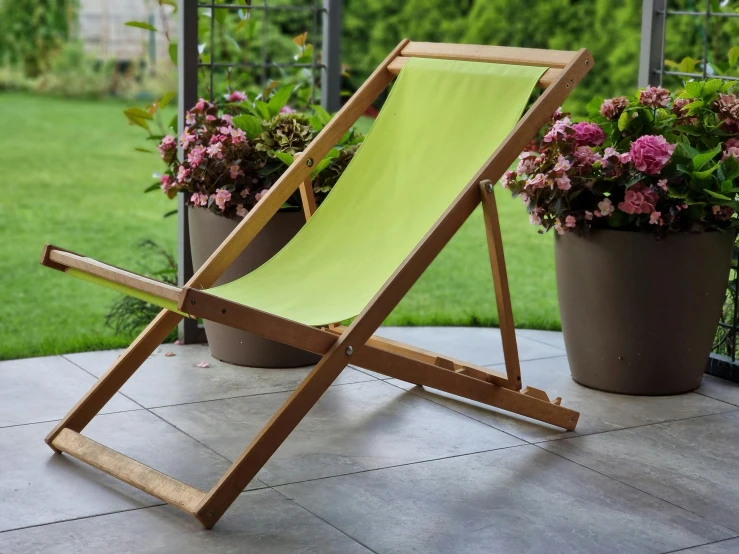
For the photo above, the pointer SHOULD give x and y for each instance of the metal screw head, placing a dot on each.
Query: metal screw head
(349, 351)
(309, 162)
(192, 301)
(488, 184)
(223, 310)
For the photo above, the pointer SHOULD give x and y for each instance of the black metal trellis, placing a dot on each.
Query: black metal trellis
(323, 14)
(723, 361)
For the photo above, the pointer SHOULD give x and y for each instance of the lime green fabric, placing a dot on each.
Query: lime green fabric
(146, 297)
(440, 123)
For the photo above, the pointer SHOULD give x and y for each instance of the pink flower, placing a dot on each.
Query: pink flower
(166, 182)
(210, 118)
(537, 181)
(227, 118)
(236, 96)
(527, 163)
(186, 139)
(731, 148)
(182, 174)
(558, 227)
(190, 119)
(588, 215)
(638, 200)
(507, 179)
(221, 197)
(241, 210)
(557, 114)
(244, 193)
(605, 208)
(287, 109)
(563, 182)
(727, 105)
(198, 199)
(225, 129)
(654, 97)
(201, 105)
(585, 156)
(679, 105)
(562, 165)
(525, 198)
(534, 218)
(588, 134)
(216, 150)
(196, 155)
(237, 136)
(613, 107)
(654, 218)
(235, 171)
(560, 130)
(662, 183)
(651, 153)
(570, 221)
(258, 196)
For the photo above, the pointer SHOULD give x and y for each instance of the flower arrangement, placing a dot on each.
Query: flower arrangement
(656, 162)
(233, 152)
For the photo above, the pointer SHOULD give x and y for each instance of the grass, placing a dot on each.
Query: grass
(70, 176)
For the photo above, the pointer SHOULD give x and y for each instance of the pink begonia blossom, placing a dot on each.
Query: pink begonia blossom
(662, 183)
(241, 210)
(585, 156)
(561, 130)
(221, 197)
(558, 227)
(570, 221)
(613, 107)
(639, 199)
(651, 153)
(563, 182)
(168, 143)
(236, 96)
(605, 208)
(557, 114)
(654, 218)
(201, 105)
(654, 97)
(731, 148)
(210, 118)
(562, 165)
(238, 136)
(166, 182)
(225, 130)
(186, 139)
(196, 155)
(534, 218)
(286, 109)
(525, 198)
(507, 179)
(190, 119)
(198, 199)
(227, 118)
(216, 150)
(588, 134)
(537, 181)
(182, 174)
(244, 193)
(235, 171)
(588, 215)
(527, 163)
(202, 364)
(258, 196)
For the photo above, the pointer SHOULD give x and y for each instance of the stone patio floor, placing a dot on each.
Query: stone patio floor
(377, 466)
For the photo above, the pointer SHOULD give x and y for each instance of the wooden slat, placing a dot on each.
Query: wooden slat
(115, 274)
(483, 53)
(128, 470)
(547, 79)
(307, 198)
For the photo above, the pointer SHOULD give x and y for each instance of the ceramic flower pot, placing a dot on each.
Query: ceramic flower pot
(639, 314)
(207, 232)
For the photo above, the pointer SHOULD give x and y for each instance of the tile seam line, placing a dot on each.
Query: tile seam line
(700, 545)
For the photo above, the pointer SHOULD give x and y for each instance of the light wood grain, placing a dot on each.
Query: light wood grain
(550, 75)
(115, 274)
(483, 53)
(128, 470)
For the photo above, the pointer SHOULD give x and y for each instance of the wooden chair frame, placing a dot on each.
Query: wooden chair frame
(339, 346)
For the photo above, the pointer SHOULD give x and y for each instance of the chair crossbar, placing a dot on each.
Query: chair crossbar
(483, 53)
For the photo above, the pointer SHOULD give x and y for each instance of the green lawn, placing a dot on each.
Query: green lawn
(69, 176)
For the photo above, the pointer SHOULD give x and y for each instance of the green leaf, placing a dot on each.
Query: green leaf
(286, 158)
(173, 123)
(730, 167)
(706, 173)
(322, 114)
(594, 106)
(153, 186)
(316, 123)
(262, 109)
(702, 159)
(716, 195)
(173, 52)
(279, 99)
(165, 99)
(172, 3)
(711, 87)
(145, 150)
(170, 213)
(220, 14)
(623, 121)
(251, 125)
(694, 88)
(619, 219)
(733, 55)
(141, 25)
(137, 112)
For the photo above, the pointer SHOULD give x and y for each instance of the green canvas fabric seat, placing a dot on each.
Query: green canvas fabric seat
(440, 123)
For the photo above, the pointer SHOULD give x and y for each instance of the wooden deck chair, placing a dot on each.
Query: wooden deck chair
(422, 170)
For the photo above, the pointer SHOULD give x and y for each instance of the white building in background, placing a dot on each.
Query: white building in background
(102, 29)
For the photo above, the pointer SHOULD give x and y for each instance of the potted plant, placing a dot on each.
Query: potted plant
(643, 200)
(232, 152)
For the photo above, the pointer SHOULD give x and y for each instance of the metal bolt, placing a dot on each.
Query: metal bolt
(223, 311)
(488, 184)
(587, 62)
(309, 162)
(349, 351)
(192, 302)
(210, 512)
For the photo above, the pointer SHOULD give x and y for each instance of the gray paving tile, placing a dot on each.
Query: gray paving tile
(730, 546)
(477, 345)
(599, 411)
(259, 521)
(552, 338)
(34, 390)
(520, 499)
(164, 381)
(720, 389)
(352, 428)
(38, 486)
(690, 463)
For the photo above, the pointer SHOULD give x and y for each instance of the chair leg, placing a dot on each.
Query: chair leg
(272, 435)
(113, 379)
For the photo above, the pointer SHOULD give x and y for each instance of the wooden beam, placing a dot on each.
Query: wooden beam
(307, 198)
(547, 79)
(494, 54)
(64, 259)
(128, 470)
